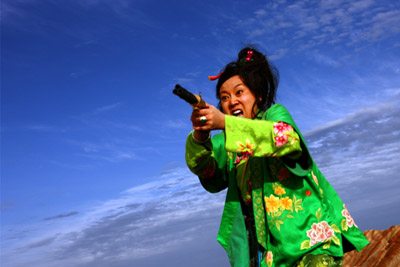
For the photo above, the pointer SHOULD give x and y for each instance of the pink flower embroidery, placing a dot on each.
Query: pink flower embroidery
(281, 140)
(243, 156)
(314, 178)
(349, 219)
(320, 232)
(269, 259)
(237, 159)
(280, 128)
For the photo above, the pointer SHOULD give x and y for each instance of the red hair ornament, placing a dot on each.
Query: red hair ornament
(249, 55)
(213, 78)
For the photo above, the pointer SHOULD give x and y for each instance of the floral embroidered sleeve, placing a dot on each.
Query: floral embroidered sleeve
(261, 138)
(202, 161)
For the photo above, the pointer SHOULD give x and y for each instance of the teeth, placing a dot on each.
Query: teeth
(236, 112)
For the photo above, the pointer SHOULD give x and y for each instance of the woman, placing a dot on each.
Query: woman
(279, 209)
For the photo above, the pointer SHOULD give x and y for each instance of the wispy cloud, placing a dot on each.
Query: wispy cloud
(358, 155)
(384, 23)
(125, 10)
(40, 243)
(193, 74)
(325, 60)
(184, 80)
(298, 26)
(6, 205)
(107, 108)
(112, 151)
(278, 54)
(96, 118)
(16, 13)
(102, 109)
(60, 216)
(163, 215)
(176, 124)
(45, 128)
(11, 13)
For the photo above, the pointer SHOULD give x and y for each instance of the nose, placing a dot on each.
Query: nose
(233, 101)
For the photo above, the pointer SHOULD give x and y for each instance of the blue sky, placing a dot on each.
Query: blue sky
(92, 139)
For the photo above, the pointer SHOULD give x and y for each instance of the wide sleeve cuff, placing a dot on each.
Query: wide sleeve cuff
(197, 154)
(261, 138)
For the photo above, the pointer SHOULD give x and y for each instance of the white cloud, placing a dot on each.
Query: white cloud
(144, 221)
(107, 108)
(184, 80)
(384, 23)
(60, 216)
(360, 115)
(360, 146)
(113, 150)
(256, 32)
(330, 4)
(175, 124)
(325, 60)
(349, 23)
(358, 6)
(11, 13)
(45, 128)
(260, 12)
(278, 54)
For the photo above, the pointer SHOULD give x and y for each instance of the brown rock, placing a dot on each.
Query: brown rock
(383, 250)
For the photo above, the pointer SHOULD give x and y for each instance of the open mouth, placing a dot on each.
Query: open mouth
(237, 113)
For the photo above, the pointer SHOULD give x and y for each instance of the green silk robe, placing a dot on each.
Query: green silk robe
(296, 210)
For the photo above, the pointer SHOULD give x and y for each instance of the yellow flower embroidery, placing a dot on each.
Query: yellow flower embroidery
(286, 203)
(282, 207)
(272, 203)
(248, 147)
(279, 191)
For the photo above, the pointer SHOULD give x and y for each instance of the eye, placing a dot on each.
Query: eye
(224, 98)
(239, 92)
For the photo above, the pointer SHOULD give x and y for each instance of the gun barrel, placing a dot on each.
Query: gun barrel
(185, 95)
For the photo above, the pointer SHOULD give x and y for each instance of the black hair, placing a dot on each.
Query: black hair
(258, 74)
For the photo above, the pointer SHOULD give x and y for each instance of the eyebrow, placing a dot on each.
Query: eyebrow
(224, 91)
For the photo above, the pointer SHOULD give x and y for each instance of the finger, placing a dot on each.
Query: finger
(197, 121)
(202, 128)
(204, 107)
(195, 114)
(203, 112)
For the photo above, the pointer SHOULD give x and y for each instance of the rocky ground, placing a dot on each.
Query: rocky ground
(383, 250)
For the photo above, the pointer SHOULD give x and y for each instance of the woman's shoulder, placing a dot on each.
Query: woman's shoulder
(277, 107)
(278, 112)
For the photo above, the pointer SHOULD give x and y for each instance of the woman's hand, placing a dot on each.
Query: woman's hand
(215, 119)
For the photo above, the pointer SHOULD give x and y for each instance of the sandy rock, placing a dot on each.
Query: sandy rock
(383, 250)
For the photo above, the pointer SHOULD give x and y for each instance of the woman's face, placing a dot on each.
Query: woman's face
(237, 99)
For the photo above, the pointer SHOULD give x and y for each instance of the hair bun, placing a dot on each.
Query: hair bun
(249, 54)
